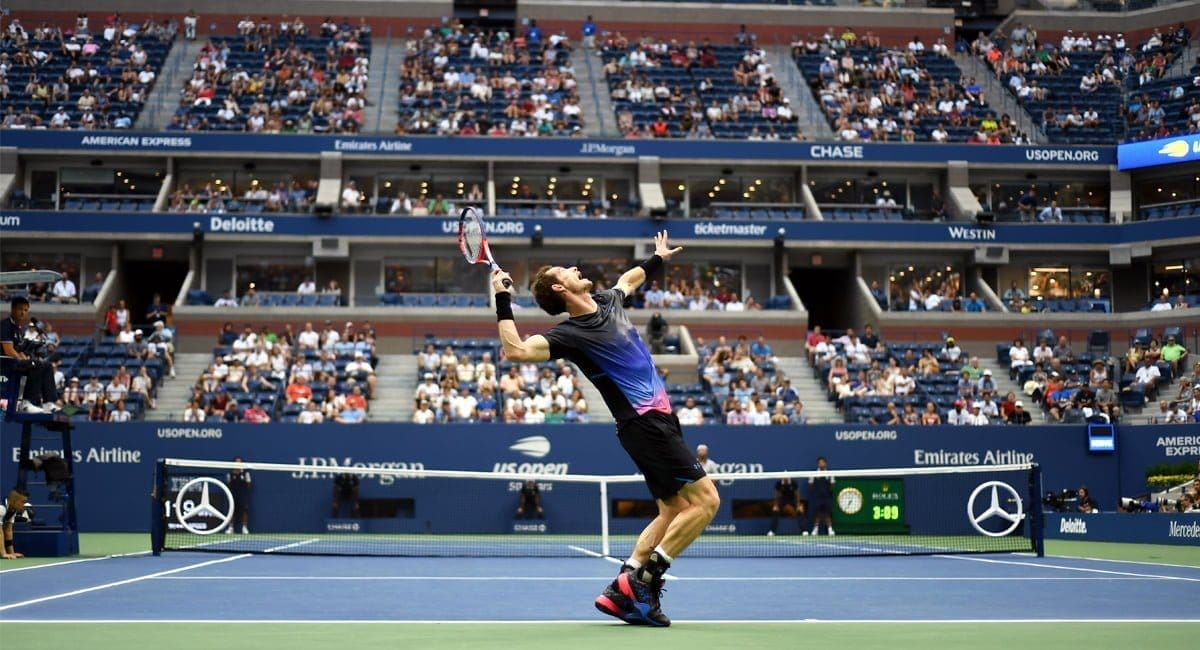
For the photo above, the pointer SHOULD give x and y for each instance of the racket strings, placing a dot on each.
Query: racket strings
(472, 239)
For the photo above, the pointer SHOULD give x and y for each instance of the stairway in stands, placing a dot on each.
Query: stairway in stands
(397, 379)
(818, 409)
(173, 394)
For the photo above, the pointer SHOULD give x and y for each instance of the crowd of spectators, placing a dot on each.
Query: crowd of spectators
(112, 378)
(1075, 88)
(700, 90)
(940, 292)
(464, 384)
(456, 81)
(77, 77)
(745, 386)
(63, 291)
(258, 375)
(220, 198)
(922, 384)
(283, 77)
(693, 295)
(909, 93)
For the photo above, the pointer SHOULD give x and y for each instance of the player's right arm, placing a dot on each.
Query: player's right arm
(535, 348)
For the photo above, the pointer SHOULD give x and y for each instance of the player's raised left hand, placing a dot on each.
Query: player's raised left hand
(661, 248)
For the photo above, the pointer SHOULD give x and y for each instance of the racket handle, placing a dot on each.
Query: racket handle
(507, 283)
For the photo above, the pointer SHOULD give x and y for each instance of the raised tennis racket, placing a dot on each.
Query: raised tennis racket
(473, 242)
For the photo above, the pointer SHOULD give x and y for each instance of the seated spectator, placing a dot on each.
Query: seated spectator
(1163, 303)
(976, 416)
(311, 414)
(299, 392)
(351, 415)
(1051, 213)
(119, 414)
(1174, 354)
(689, 413)
(736, 416)
(255, 414)
(361, 370)
(64, 291)
(194, 412)
(950, 350)
(1146, 378)
(930, 416)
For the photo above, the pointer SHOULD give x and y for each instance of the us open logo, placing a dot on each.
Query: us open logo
(532, 446)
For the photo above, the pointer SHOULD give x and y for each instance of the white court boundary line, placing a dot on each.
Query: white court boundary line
(49, 565)
(1066, 568)
(118, 583)
(593, 621)
(609, 558)
(1143, 562)
(254, 578)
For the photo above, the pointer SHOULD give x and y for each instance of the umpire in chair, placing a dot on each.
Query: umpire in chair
(22, 349)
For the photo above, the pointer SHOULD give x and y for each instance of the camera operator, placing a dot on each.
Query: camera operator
(1085, 503)
(656, 331)
(529, 504)
(12, 507)
(25, 353)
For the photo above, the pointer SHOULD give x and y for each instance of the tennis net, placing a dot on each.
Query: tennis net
(227, 507)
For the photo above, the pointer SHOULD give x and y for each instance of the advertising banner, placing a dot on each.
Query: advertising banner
(114, 464)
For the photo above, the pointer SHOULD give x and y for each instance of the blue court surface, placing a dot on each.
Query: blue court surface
(199, 587)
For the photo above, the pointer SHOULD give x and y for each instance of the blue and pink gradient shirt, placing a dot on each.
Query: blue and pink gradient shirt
(609, 351)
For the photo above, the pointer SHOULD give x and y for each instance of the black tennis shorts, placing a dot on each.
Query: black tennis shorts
(654, 441)
(821, 505)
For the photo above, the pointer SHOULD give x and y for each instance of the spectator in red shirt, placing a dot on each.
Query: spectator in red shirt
(256, 415)
(814, 339)
(298, 391)
(355, 399)
(660, 128)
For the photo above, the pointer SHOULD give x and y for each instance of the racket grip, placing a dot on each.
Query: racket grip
(507, 283)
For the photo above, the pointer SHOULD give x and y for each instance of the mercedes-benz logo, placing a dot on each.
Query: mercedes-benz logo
(205, 507)
(994, 508)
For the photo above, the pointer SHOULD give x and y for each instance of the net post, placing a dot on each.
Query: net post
(1036, 521)
(158, 495)
(604, 546)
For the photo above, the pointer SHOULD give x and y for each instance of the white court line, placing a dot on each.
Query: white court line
(1101, 559)
(1067, 568)
(609, 558)
(589, 621)
(109, 585)
(842, 547)
(292, 545)
(253, 578)
(49, 565)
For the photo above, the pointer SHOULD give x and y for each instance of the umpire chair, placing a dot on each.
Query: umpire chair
(45, 535)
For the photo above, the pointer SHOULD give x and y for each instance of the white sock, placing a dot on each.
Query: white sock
(634, 564)
(663, 554)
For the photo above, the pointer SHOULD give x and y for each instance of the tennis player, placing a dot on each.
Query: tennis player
(599, 338)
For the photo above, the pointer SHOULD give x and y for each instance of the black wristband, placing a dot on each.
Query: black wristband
(504, 306)
(652, 265)
(8, 546)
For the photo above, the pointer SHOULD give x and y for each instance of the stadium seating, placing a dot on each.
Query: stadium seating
(320, 84)
(439, 300)
(724, 90)
(119, 96)
(1120, 106)
(528, 86)
(938, 71)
